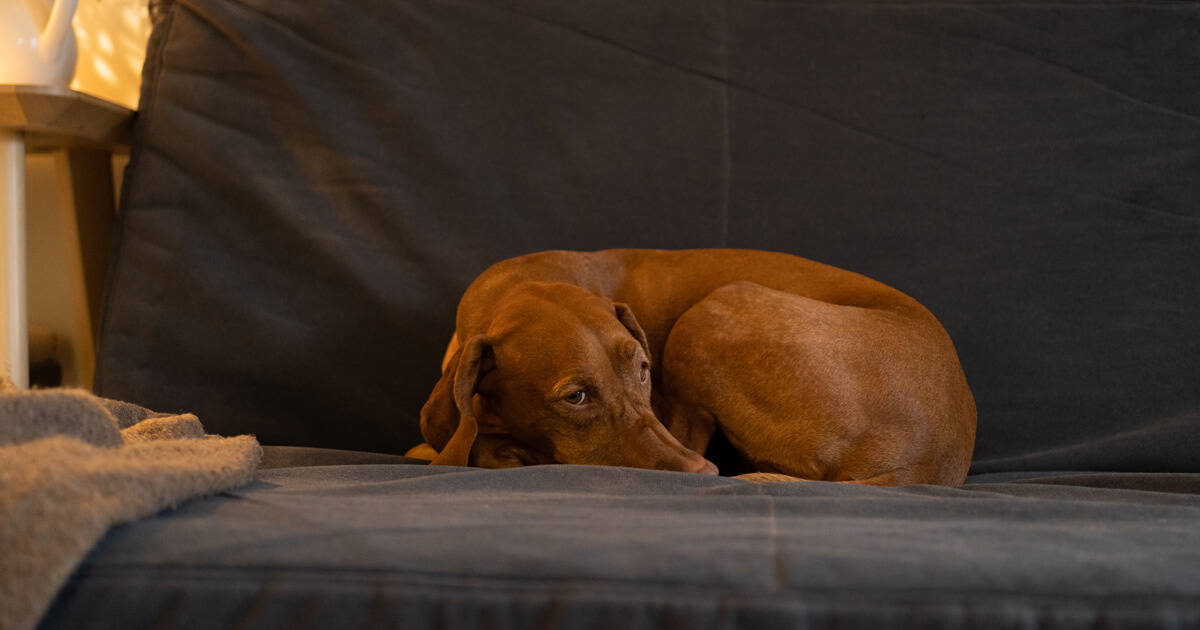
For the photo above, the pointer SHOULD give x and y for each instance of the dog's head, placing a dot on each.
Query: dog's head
(561, 375)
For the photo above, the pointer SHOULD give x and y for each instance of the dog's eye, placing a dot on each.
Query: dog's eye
(576, 398)
(645, 372)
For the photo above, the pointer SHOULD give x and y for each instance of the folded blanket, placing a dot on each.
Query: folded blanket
(73, 464)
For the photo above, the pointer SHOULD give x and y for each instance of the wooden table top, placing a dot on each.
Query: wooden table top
(55, 118)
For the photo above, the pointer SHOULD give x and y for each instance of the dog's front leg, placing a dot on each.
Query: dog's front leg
(690, 424)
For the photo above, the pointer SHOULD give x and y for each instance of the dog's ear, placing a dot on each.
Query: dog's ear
(439, 414)
(448, 420)
(631, 323)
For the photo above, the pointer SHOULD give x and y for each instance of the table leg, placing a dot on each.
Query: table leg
(14, 328)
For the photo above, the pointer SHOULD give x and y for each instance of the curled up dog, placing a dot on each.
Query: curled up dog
(641, 357)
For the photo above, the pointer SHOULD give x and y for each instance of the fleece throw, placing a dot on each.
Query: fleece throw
(73, 464)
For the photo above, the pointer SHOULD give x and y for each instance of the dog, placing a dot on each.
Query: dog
(639, 358)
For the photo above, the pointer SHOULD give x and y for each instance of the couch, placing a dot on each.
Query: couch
(312, 186)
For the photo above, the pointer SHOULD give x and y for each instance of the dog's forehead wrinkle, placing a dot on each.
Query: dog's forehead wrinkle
(571, 381)
(545, 365)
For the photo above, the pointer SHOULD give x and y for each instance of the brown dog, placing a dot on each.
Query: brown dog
(807, 370)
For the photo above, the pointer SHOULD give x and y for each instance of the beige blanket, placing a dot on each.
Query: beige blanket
(72, 465)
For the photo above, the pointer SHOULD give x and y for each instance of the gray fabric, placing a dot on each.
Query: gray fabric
(293, 456)
(396, 546)
(313, 184)
(72, 465)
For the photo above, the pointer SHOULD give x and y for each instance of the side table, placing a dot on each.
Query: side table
(86, 130)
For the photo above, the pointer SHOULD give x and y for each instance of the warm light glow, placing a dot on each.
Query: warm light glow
(133, 18)
(111, 35)
(104, 70)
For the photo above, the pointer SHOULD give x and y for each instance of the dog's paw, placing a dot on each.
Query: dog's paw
(422, 451)
(767, 477)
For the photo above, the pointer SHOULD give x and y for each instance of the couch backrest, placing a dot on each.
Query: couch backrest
(315, 183)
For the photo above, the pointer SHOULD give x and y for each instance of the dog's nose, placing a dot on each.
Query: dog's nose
(703, 466)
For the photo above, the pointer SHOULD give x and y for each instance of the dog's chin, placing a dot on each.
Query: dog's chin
(494, 451)
(502, 452)
(703, 467)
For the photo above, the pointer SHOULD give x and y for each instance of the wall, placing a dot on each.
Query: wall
(111, 35)
(112, 44)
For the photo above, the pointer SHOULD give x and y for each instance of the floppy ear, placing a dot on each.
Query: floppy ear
(448, 421)
(439, 414)
(631, 323)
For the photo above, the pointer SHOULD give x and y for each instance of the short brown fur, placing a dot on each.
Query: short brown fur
(808, 370)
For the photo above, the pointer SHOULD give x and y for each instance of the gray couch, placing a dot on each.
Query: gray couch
(314, 184)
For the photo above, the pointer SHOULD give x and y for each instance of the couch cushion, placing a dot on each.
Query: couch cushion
(593, 547)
